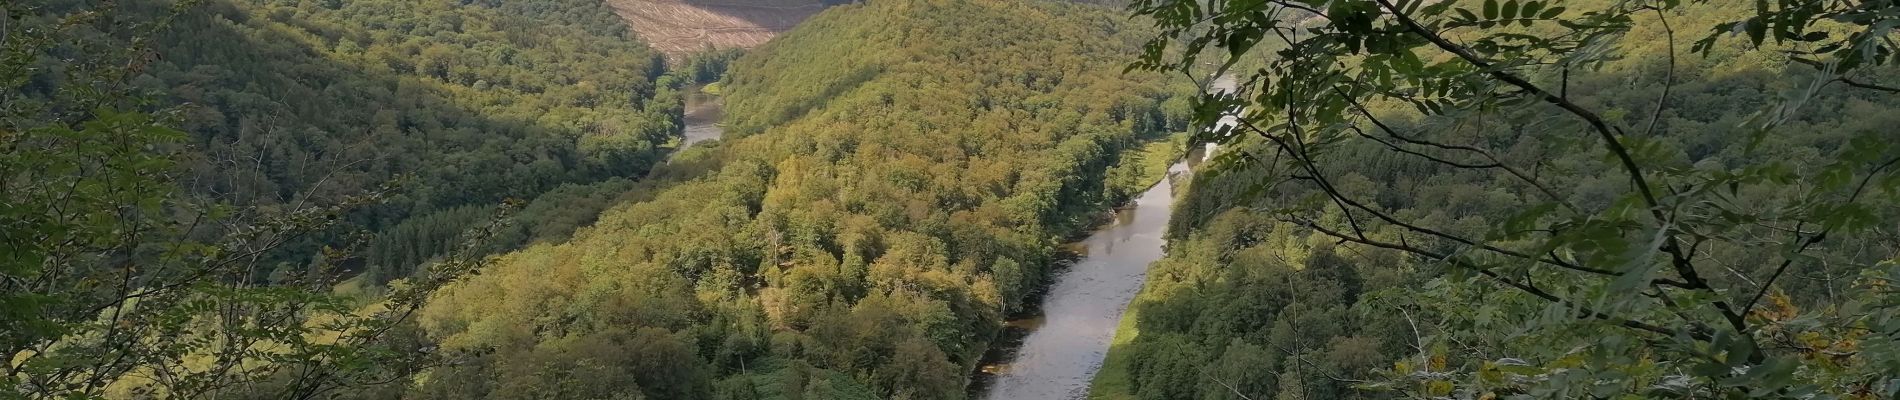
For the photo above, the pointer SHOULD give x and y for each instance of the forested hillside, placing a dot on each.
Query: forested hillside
(493, 199)
(900, 183)
(1391, 222)
(188, 181)
(460, 105)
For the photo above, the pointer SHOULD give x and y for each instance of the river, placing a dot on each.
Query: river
(1066, 344)
(703, 111)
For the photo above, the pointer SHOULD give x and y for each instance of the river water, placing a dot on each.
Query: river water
(703, 112)
(1066, 344)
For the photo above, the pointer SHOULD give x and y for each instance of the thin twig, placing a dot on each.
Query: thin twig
(1521, 286)
(1684, 268)
(1865, 85)
(1669, 76)
(1816, 238)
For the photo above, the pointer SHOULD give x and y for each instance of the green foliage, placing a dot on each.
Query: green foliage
(1560, 198)
(155, 248)
(708, 66)
(309, 101)
(868, 243)
(650, 363)
(1251, 308)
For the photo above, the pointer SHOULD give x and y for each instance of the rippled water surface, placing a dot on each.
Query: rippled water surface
(1066, 344)
(703, 112)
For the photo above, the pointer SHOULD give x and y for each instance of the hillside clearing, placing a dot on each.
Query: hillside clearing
(678, 27)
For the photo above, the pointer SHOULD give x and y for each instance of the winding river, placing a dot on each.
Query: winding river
(1066, 344)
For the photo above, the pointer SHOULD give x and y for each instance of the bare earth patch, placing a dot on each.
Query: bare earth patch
(678, 27)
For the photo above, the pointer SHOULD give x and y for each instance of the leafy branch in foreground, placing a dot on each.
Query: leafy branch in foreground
(1611, 262)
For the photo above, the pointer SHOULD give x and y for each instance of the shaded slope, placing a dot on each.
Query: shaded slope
(312, 102)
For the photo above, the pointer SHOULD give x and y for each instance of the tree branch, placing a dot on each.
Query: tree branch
(1495, 162)
(1348, 205)
(1816, 238)
(1603, 130)
(1669, 76)
(1865, 85)
(1583, 311)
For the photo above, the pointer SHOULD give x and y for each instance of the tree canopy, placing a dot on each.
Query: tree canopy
(188, 180)
(894, 181)
(460, 105)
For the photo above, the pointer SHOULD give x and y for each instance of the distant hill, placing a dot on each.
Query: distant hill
(677, 27)
(681, 27)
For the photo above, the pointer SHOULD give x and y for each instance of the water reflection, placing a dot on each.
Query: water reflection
(1067, 344)
(703, 112)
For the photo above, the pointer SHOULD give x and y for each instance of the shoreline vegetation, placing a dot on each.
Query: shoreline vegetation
(1004, 346)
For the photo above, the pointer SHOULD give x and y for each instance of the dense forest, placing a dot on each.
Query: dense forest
(176, 155)
(907, 188)
(1391, 223)
(895, 182)
(460, 199)
(455, 105)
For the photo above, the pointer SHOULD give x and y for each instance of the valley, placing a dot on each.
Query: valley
(701, 115)
(1056, 349)
(948, 199)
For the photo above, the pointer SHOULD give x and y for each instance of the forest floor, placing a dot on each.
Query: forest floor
(680, 27)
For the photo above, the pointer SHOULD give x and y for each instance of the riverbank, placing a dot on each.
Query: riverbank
(703, 110)
(1054, 355)
(1112, 381)
(1149, 167)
